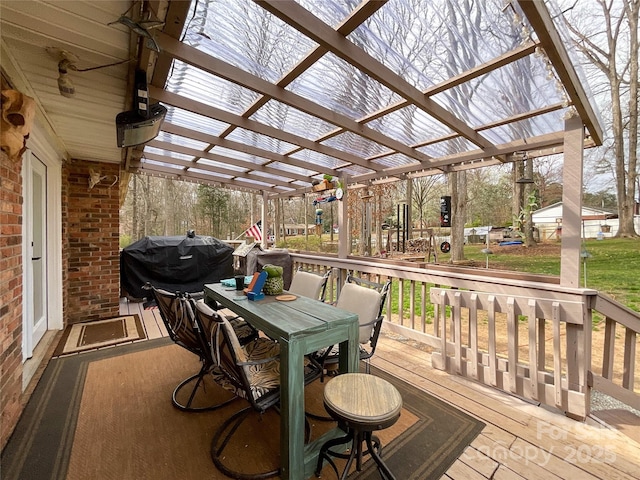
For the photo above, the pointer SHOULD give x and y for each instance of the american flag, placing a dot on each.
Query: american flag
(255, 231)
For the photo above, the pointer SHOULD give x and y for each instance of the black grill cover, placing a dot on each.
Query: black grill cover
(183, 263)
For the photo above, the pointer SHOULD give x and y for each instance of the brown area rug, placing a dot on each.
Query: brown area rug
(108, 415)
(80, 337)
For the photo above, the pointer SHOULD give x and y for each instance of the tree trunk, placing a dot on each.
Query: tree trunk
(529, 191)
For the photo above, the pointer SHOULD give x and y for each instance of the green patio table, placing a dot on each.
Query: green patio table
(301, 326)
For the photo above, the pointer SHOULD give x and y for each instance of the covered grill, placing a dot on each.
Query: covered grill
(182, 263)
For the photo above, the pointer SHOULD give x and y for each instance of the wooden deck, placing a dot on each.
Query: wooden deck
(521, 440)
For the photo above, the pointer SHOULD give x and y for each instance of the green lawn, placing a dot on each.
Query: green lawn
(613, 266)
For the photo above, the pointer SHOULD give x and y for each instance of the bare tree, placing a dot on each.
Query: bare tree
(614, 52)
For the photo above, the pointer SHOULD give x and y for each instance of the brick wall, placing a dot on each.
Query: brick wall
(10, 295)
(91, 236)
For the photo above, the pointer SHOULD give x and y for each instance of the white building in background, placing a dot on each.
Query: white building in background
(596, 222)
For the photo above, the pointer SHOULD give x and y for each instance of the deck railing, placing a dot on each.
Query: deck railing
(521, 333)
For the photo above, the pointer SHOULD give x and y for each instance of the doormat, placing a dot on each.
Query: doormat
(100, 333)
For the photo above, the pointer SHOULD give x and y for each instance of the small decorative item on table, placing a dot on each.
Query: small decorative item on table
(275, 281)
(255, 288)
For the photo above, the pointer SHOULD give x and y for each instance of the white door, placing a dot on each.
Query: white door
(36, 263)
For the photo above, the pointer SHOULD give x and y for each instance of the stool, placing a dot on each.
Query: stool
(362, 404)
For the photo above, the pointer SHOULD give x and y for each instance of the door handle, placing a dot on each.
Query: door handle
(36, 258)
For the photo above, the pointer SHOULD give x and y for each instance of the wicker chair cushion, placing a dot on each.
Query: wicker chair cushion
(255, 365)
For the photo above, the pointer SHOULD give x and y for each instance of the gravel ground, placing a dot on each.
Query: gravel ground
(601, 401)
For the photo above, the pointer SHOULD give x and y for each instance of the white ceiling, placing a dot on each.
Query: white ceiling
(85, 124)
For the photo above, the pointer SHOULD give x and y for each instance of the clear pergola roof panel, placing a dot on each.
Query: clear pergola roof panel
(169, 153)
(173, 166)
(319, 159)
(427, 42)
(517, 88)
(194, 121)
(338, 85)
(410, 125)
(209, 89)
(266, 176)
(209, 173)
(396, 160)
(448, 147)
(542, 124)
(291, 120)
(181, 141)
(238, 155)
(247, 36)
(355, 170)
(286, 168)
(227, 166)
(355, 144)
(259, 140)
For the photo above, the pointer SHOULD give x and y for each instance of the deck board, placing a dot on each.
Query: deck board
(521, 440)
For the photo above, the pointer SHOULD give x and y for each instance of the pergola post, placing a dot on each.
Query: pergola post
(572, 203)
(265, 221)
(409, 227)
(343, 233)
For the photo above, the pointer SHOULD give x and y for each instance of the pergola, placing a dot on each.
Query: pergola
(265, 96)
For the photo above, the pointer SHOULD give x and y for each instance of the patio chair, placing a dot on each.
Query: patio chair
(367, 299)
(252, 372)
(308, 284)
(183, 328)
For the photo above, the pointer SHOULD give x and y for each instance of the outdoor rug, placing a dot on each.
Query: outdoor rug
(99, 333)
(108, 414)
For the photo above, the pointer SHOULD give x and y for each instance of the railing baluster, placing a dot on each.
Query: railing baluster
(412, 304)
(629, 359)
(473, 333)
(401, 302)
(608, 357)
(493, 360)
(512, 347)
(557, 355)
(533, 351)
(542, 345)
(423, 307)
(443, 328)
(457, 332)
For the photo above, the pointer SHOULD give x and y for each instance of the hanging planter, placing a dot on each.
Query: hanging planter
(325, 184)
